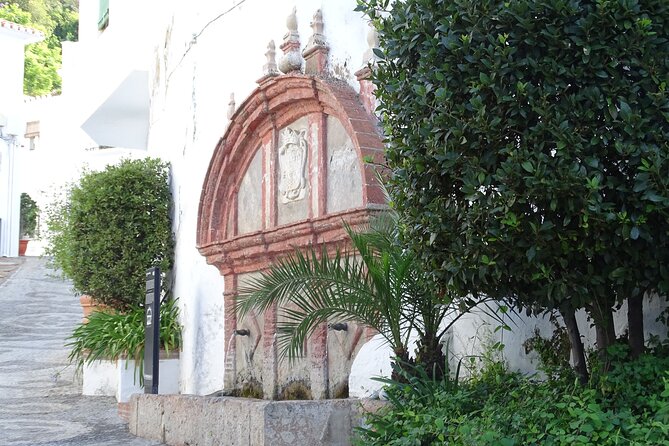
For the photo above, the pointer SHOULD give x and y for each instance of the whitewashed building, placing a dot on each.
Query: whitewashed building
(13, 39)
(162, 79)
(155, 78)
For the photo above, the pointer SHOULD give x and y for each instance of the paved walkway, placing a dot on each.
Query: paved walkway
(40, 399)
(8, 265)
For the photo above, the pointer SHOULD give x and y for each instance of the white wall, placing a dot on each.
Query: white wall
(12, 44)
(9, 200)
(191, 82)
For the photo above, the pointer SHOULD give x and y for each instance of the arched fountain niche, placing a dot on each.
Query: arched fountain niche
(286, 174)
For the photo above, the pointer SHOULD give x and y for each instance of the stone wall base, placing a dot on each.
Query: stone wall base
(222, 421)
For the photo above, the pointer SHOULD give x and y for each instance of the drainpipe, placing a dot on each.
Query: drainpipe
(9, 241)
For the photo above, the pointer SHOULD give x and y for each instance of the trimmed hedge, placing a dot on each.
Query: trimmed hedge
(529, 148)
(113, 226)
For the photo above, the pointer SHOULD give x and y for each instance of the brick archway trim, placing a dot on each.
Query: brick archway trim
(277, 102)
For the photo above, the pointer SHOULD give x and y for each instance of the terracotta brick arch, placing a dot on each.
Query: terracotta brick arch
(286, 174)
(273, 105)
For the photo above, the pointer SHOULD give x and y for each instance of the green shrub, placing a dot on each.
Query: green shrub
(553, 352)
(628, 406)
(29, 214)
(114, 335)
(529, 147)
(112, 226)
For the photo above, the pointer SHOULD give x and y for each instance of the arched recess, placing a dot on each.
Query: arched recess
(288, 171)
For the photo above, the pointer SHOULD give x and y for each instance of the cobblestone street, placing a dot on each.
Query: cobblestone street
(40, 398)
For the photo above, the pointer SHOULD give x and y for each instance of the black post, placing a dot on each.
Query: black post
(152, 330)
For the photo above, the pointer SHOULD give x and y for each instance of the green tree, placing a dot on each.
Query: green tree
(529, 142)
(28, 217)
(113, 226)
(57, 19)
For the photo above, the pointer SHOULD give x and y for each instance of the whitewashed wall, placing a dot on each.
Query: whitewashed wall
(191, 83)
(12, 42)
(476, 333)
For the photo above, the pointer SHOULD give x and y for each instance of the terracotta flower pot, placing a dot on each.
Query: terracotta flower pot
(89, 305)
(23, 245)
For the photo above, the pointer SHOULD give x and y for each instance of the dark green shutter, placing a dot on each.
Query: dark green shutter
(103, 18)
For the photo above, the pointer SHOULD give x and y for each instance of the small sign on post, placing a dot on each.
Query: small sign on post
(152, 330)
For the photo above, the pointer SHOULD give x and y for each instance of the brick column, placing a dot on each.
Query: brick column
(319, 363)
(270, 357)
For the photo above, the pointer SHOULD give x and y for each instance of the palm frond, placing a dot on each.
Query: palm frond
(377, 283)
(366, 285)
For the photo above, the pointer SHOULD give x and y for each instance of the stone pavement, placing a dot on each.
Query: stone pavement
(40, 398)
(8, 265)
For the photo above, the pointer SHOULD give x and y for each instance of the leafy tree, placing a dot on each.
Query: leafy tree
(58, 20)
(28, 217)
(112, 227)
(529, 143)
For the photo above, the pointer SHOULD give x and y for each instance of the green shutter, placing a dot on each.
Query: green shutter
(103, 18)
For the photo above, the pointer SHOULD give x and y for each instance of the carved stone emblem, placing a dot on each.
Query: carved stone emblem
(292, 163)
(344, 159)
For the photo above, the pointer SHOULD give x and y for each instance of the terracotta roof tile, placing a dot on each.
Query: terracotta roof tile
(6, 24)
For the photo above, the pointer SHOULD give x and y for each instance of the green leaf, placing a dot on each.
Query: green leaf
(625, 110)
(379, 53)
(531, 253)
(652, 196)
(634, 233)
(613, 111)
(527, 165)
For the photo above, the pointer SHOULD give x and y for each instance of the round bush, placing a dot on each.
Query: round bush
(112, 227)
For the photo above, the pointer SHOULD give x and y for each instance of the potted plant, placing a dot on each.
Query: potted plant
(27, 221)
(109, 228)
(109, 348)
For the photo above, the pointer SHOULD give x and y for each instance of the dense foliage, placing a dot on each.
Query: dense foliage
(113, 226)
(28, 216)
(529, 145)
(111, 335)
(628, 405)
(58, 20)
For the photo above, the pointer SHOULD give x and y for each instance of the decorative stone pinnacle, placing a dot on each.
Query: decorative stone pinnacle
(231, 106)
(317, 23)
(317, 39)
(316, 51)
(291, 22)
(291, 60)
(372, 42)
(270, 68)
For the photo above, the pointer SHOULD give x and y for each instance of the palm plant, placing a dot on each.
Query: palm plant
(378, 283)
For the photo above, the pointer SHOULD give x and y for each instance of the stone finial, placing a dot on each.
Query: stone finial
(270, 68)
(363, 74)
(291, 23)
(317, 27)
(231, 106)
(372, 42)
(291, 60)
(316, 51)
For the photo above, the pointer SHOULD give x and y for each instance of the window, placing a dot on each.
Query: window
(103, 17)
(32, 134)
